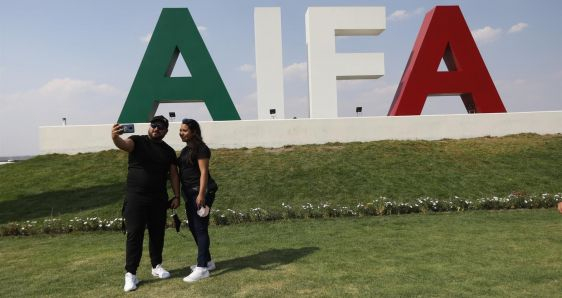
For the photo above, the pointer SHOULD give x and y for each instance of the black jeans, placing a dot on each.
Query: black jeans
(144, 211)
(199, 226)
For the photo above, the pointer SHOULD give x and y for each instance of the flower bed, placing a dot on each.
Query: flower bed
(378, 207)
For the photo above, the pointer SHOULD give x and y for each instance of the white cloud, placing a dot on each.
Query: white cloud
(419, 10)
(80, 101)
(489, 34)
(486, 34)
(518, 27)
(386, 90)
(374, 96)
(400, 15)
(69, 89)
(526, 94)
(353, 85)
(146, 38)
(252, 96)
(58, 94)
(377, 89)
(296, 71)
(247, 68)
(202, 29)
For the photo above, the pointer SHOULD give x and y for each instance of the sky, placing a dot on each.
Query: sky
(78, 59)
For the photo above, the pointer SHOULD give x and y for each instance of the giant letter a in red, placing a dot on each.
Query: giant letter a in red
(444, 34)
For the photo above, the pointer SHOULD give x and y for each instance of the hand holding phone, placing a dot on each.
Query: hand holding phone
(128, 128)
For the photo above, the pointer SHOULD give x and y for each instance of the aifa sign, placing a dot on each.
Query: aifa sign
(444, 35)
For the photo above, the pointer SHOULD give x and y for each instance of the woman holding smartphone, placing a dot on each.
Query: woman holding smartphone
(198, 189)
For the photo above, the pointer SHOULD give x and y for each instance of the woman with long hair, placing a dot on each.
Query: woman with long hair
(198, 189)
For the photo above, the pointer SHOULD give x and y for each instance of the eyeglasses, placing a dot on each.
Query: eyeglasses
(160, 126)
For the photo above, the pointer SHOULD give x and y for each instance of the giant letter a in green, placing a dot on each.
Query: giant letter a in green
(176, 34)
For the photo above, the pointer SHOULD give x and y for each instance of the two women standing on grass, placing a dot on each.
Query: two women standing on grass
(198, 189)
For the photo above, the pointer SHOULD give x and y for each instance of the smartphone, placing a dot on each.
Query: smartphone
(128, 128)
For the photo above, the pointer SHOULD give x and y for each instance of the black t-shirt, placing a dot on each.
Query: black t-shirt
(189, 170)
(149, 165)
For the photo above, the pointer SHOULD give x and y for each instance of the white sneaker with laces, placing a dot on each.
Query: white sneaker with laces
(131, 282)
(160, 272)
(197, 274)
(210, 266)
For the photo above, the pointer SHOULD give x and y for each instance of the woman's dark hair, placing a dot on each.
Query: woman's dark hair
(195, 142)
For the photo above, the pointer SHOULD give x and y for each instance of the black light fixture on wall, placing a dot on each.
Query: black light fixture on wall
(358, 110)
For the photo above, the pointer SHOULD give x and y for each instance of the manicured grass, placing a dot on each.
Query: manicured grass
(480, 253)
(92, 184)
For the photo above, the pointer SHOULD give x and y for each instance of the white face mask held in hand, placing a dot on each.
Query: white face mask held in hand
(203, 211)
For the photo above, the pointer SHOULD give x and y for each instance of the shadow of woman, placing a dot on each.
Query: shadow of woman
(265, 260)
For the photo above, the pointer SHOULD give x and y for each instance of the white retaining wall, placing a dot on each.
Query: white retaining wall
(278, 132)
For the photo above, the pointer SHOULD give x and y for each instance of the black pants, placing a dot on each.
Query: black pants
(144, 211)
(199, 226)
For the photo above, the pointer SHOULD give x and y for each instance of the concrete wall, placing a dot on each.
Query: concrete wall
(278, 133)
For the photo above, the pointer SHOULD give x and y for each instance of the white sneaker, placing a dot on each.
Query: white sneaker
(197, 274)
(210, 266)
(160, 272)
(131, 282)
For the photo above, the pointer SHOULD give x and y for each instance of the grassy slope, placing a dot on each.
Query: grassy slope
(93, 184)
(471, 254)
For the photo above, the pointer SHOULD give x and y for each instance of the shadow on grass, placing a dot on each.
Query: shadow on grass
(57, 203)
(265, 260)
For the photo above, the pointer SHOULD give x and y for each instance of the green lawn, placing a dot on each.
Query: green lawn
(92, 184)
(480, 253)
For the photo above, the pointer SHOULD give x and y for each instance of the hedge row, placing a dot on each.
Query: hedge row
(378, 207)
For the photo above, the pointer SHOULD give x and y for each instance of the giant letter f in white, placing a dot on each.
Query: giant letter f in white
(323, 24)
